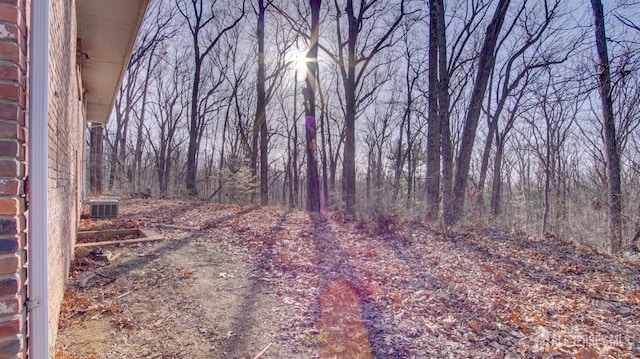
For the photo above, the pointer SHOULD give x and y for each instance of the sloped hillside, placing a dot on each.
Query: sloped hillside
(266, 282)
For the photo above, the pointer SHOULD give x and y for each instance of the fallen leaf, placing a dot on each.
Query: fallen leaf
(475, 325)
(587, 353)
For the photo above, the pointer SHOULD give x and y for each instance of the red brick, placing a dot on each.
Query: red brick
(10, 348)
(10, 73)
(10, 328)
(15, 14)
(9, 168)
(10, 226)
(9, 286)
(9, 245)
(9, 130)
(9, 306)
(10, 14)
(10, 111)
(11, 92)
(9, 264)
(10, 148)
(12, 53)
(10, 33)
(9, 187)
(11, 2)
(9, 207)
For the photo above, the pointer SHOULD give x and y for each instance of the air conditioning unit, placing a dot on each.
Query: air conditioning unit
(103, 208)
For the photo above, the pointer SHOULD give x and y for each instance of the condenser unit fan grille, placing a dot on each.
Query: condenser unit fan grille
(103, 209)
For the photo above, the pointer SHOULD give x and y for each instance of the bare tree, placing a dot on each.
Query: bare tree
(528, 56)
(378, 133)
(198, 20)
(313, 180)
(485, 65)
(608, 124)
(261, 111)
(126, 162)
(128, 96)
(354, 67)
(455, 65)
(171, 82)
(444, 74)
(407, 129)
(159, 30)
(434, 123)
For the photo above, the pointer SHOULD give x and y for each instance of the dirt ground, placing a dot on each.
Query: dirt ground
(209, 293)
(250, 282)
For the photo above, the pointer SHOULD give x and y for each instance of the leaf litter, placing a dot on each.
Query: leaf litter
(262, 281)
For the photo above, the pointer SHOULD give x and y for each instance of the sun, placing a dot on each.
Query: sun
(299, 59)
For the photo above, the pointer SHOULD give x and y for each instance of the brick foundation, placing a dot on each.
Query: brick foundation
(66, 150)
(13, 162)
(66, 133)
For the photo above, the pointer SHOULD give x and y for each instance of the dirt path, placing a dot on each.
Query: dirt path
(206, 294)
(310, 287)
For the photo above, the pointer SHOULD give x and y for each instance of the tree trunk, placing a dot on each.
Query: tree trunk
(378, 172)
(609, 129)
(323, 117)
(137, 156)
(443, 109)
(410, 164)
(289, 183)
(296, 178)
(192, 151)
(492, 123)
(496, 190)
(223, 144)
(637, 235)
(369, 173)
(547, 175)
(486, 62)
(349, 159)
(399, 162)
(433, 131)
(261, 118)
(197, 21)
(313, 180)
(96, 155)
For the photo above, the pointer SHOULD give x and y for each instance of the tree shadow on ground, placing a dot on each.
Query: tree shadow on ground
(342, 290)
(237, 345)
(170, 246)
(557, 268)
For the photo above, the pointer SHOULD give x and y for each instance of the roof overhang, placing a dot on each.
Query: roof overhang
(107, 30)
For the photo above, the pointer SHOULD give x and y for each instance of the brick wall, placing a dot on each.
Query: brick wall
(14, 16)
(66, 150)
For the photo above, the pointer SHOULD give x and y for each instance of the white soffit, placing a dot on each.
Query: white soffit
(107, 30)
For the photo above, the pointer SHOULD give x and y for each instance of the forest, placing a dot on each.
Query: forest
(518, 115)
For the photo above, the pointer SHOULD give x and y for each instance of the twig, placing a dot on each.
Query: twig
(216, 191)
(636, 237)
(111, 243)
(105, 276)
(124, 294)
(262, 351)
(234, 288)
(172, 226)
